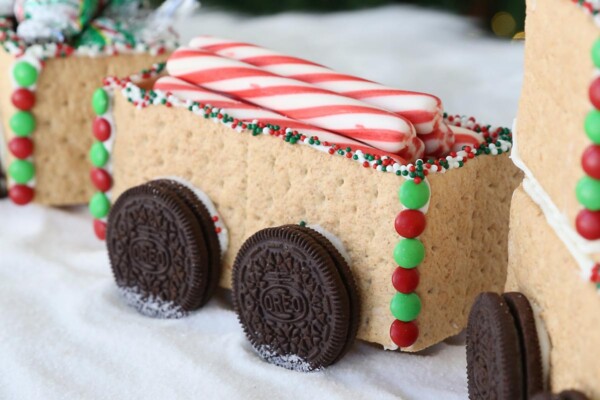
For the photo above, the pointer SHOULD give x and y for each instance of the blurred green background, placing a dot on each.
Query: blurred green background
(504, 18)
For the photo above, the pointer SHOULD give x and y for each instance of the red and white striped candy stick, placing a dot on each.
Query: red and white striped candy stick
(247, 113)
(465, 137)
(297, 100)
(423, 110)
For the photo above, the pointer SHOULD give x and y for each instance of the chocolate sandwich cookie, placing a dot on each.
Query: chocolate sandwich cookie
(291, 299)
(528, 339)
(3, 186)
(494, 367)
(347, 278)
(207, 225)
(157, 250)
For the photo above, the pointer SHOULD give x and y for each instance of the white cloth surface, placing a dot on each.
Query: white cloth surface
(65, 333)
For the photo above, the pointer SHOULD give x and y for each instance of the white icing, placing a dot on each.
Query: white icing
(151, 306)
(335, 241)
(205, 199)
(579, 248)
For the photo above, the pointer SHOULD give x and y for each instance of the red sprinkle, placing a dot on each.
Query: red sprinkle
(417, 180)
(215, 218)
(23, 99)
(405, 280)
(410, 223)
(21, 194)
(100, 229)
(596, 274)
(21, 147)
(218, 229)
(101, 179)
(404, 334)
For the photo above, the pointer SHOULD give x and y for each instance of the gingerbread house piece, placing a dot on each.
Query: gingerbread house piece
(553, 243)
(261, 176)
(46, 112)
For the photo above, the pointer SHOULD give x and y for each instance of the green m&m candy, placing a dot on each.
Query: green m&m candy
(592, 126)
(98, 154)
(409, 253)
(596, 53)
(405, 307)
(414, 195)
(100, 101)
(588, 193)
(99, 205)
(21, 171)
(22, 123)
(25, 74)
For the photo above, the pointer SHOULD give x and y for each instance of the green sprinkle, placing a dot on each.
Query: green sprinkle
(409, 253)
(100, 101)
(21, 171)
(25, 74)
(22, 123)
(405, 307)
(99, 205)
(414, 196)
(98, 154)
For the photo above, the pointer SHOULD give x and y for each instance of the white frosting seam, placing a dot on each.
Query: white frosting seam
(557, 220)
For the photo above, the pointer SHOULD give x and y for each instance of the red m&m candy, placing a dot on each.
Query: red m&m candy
(404, 334)
(101, 179)
(405, 280)
(21, 194)
(590, 161)
(410, 223)
(23, 99)
(594, 93)
(21, 147)
(588, 224)
(101, 128)
(100, 229)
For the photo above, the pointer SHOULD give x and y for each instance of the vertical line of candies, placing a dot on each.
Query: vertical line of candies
(408, 254)
(102, 128)
(587, 190)
(21, 171)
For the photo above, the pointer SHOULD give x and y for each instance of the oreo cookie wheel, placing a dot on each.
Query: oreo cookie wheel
(163, 249)
(504, 360)
(295, 298)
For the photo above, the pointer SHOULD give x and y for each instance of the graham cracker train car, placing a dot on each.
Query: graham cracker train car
(45, 110)
(555, 218)
(305, 233)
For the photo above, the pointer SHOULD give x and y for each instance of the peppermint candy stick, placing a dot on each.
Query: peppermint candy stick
(465, 137)
(247, 113)
(423, 110)
(297, 100)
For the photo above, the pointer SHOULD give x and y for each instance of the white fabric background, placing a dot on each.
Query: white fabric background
(65, 334)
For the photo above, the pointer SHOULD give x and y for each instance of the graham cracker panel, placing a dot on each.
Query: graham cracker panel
(554, 100)
(542, 268)
(259, 182)
(64, 115)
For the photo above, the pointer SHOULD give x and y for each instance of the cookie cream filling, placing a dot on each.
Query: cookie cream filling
(335, 241)
(579, 248)
(222, 232)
